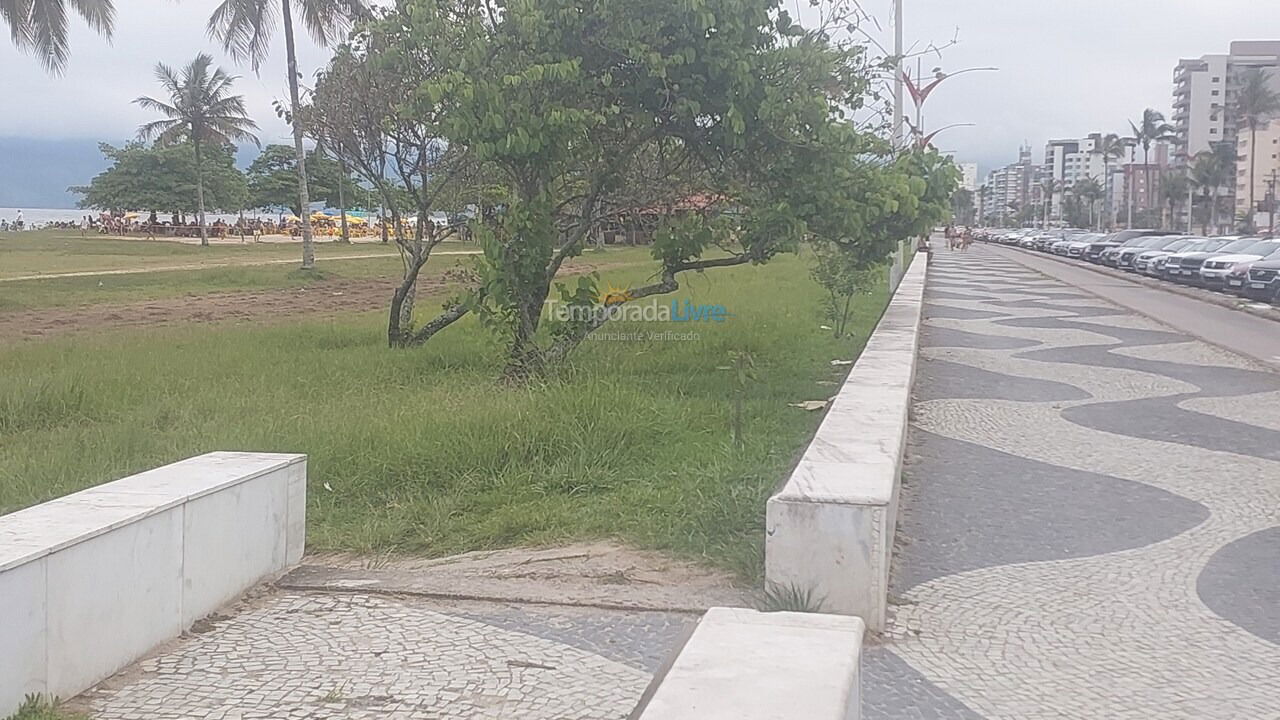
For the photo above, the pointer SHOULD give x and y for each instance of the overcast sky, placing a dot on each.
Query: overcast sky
(1066, 67)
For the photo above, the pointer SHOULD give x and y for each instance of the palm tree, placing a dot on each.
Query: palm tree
(202, 111)
(1255, 104)
(1152, 128)
(1173, 189)
(1211, 171)
(1109, 146)
(40, 26)
(244, 27)
(1088, 189)
(1048, 185)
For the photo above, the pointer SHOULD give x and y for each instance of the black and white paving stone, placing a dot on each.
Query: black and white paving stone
(1090, 516)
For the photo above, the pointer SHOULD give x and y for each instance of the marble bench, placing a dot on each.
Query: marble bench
(741, 664)
(92, 581)
(829, 530)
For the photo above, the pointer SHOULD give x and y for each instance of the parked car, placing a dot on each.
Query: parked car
(1213, 272)
(1111, 256)
(1126, 255)
(1264, 281)
(1173, 268)
(1094, 252)
(1076, 248)
(1145, 262)
(1238, 276)
(1190, 264)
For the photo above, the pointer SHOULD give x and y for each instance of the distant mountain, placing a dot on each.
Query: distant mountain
(35, 173)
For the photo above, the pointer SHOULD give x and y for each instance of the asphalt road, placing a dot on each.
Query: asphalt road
(1249, 335)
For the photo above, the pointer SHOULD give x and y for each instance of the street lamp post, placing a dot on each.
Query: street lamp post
(920, 93)
(897, 74)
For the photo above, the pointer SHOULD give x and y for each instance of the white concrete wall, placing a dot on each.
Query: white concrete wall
(830, 529)
(92, 581)
(745, 665)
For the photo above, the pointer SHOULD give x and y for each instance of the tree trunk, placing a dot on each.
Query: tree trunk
(1253, 154)
(204, 231)
(342, 199)
(308, 247)
(1146, 171)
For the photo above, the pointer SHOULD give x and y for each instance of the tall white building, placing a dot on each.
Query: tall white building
(969, 176)
(1068, 162)
(1009, 189)
(1203, 92)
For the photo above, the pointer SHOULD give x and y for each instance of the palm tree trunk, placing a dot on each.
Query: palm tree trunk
(304, 202)
(204, 231)
(1146, 170)
(1253, 154)
(342, 199)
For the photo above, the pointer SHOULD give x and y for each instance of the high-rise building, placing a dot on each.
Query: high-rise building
(1203, 93)
(969, 176)
(1265, 155)
(1068, 162)
(1008, 190)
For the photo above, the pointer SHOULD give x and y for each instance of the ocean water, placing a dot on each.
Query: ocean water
(42, 216)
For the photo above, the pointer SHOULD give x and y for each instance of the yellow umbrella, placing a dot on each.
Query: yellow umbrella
(131, 216)
(292, 218)
(355, 220)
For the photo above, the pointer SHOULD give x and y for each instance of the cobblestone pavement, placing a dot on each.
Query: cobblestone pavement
(1090, 517)
(292, 655)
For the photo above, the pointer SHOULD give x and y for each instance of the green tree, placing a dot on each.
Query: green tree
(245, 29)
(1090, 191)
(201, 111)
(273, 179)
(1049, 186)
(962, 207)
(1255, 104)
(1110, 147)
(1211, 171)
(725, 101)
(1174, 187)
(1152, 128)
(356, 112)
(162, 179)
(1074, 212)
(40, 26)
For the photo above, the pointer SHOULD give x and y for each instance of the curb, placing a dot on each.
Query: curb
(1207, 296)
(1269, 365)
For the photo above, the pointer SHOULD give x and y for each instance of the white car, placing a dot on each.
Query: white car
(1213, 273)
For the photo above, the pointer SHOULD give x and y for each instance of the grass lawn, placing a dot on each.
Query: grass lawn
(64, 251)
(424, 451)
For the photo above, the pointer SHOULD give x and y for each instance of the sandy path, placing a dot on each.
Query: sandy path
(212, 265)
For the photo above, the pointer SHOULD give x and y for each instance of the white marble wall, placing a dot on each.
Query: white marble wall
(830, 529)
(746, 665)
(92, 581)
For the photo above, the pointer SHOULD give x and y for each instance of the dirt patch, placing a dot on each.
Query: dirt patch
(322, 298)
(592, 574)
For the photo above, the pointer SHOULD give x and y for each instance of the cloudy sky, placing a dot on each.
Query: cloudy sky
(1066, 67)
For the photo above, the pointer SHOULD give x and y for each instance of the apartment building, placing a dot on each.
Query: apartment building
(1265, 154)
(1203, 94)
(1068, 162)
(1010, 188)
